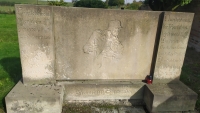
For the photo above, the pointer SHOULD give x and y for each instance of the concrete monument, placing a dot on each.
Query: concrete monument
(83, 55)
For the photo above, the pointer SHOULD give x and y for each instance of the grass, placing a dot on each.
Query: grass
(191, 72)
(87, 107)
(7, 9)
(10, 66)
(26, 1)
(11, 9)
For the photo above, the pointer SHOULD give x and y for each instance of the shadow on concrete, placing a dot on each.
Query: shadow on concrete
(156, 44)
(183, 98)
(174, 96)
(186, 102)
(137, 98)
(12, 65)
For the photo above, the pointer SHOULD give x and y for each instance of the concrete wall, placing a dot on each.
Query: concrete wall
(85, 43)
(60, 43)
(104, 44)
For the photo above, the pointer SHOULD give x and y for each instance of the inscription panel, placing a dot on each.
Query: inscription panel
(103, 91)
(36, 42)
(103, 44)
(173, 43)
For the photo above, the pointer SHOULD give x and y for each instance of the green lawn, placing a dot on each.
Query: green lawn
(26, 1)
(11, 9)
(10, 67)
(6, 8)
(191, 72)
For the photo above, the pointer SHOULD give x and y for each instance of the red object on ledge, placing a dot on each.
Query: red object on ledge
(149, 79)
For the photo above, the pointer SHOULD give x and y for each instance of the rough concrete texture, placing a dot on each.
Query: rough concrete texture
(104, 44)
(118, 110)
(169, 97)
(89, 43)
(104, 102)
(176, 112)
(102, 91)
(172, 46)
(36, 41)
(34, 99)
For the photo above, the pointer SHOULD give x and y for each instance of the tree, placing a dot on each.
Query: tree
(73, 1)
(115, 2)
(90, 4)
(57, 3)
(133, 6)
(166, 5)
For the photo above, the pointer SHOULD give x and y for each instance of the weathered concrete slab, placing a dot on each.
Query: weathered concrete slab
(172, 46)
(137, 109)
(104, 44)
(169, 97)
(36, 41)
(34, 99)
(133, 109)
(103, 110)
(177, 112)
(103, 91)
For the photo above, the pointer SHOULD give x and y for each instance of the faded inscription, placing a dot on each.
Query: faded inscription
(172, 46)
(105, 91)
(36, 43)
(105, 42)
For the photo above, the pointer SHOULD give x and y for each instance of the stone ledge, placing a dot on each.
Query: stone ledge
(98, 91)
(169, 97)
(34, 99)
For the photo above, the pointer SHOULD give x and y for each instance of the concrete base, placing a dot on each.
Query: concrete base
(34, 99)
(115, 92)
(118, 110)
(176, 112)
(169, 97)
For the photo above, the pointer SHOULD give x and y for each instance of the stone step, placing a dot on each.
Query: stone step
(169, 97)
(130, 92)
(34, 99)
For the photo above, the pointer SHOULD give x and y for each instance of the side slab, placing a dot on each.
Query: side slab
(172, 97)
(34, 99)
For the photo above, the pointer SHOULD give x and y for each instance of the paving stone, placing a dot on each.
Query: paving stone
(169, 97)
(34, 99)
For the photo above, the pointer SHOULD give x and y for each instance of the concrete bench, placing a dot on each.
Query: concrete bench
(100, 55)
